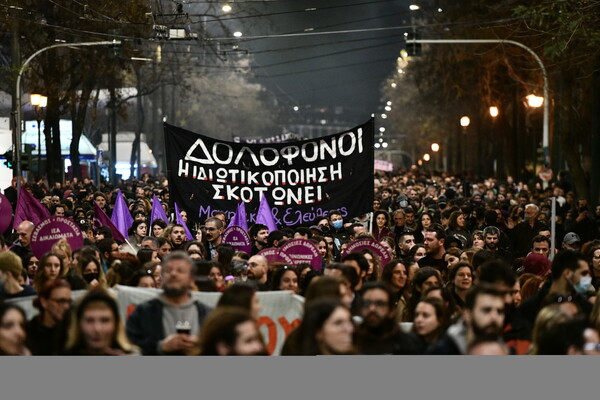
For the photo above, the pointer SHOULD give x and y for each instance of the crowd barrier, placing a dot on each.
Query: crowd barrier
(281, 310)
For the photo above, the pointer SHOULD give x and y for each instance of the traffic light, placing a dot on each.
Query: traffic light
(10, 162)
(26, 156)
(413, 49)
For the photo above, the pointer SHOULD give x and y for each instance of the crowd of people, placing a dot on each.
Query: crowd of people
(475, 269)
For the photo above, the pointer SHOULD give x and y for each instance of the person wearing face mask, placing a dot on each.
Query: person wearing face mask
(338, 232)
(570, 278)
(90, 270)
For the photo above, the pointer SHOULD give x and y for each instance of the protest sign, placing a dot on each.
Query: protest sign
(302, 179)
(238, 238)
(50, 230)
(273, 255)
(377, 248)
(303, 251)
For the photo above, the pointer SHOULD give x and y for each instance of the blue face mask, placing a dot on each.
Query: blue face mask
(338, 224)
(584, 284)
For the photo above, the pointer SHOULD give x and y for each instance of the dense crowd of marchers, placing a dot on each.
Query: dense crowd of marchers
(471, 273)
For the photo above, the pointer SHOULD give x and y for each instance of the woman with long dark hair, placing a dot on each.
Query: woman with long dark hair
(381, 228)
(425, 278)
(12, 330)
(326, 328)
(430, 320)
(457, 226)
(395, 275)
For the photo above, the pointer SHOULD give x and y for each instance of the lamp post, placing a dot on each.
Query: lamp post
(494, 112)
(17, 133)
(546, 121)
(39, 102)
(435, 148)
(464, 123)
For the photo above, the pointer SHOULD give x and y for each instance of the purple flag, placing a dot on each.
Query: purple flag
(240, 217)
(158, 212)
(101, 219)
(265, 215)
(29, 209)
(121, 217)
(180, 221)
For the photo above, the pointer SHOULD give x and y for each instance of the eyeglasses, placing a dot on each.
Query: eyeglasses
(376, 303)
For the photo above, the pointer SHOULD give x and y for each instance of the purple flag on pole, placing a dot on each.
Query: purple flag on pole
(101, 219)
(158, 212)
(29, 209)
(265, 215)
(239, 218)
(180, 221)
(121, 217)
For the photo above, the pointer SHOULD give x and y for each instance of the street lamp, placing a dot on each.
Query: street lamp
(426, 157)
(39, 102)
(17, 132)
(534, 101)
(465, 121)
(494, 111)
(435, 147)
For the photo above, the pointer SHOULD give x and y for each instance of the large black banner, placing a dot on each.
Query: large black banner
(302, 179)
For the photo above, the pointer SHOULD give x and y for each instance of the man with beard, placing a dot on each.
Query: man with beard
(178, 237)
(491, 238)
(258, 267)
(259, 234)
(379, 333)
(516, 331)
(434, 242)
(482, 318)
(405, 242)
(214, 229)
(170, 323)
(108, 248)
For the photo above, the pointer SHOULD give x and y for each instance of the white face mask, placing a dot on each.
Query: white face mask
(584, 284)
